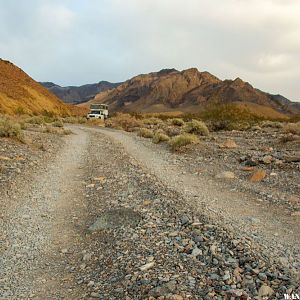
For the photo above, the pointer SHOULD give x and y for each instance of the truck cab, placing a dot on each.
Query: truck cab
(98, 111)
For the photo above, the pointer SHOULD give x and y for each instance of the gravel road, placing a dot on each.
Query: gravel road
(111, 218)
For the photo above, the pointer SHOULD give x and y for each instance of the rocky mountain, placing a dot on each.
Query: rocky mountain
(79, 94)
(188, 91)
(19, 93)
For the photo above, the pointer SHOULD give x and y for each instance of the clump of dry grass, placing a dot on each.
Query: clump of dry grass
(182, 140)
(146, 133)
(123, 121)
(74, 120)
(159, 137)
(176, 122)
(58, 123)
(196, 127)
(57, 130)
(293, 128)
(272, 124)
(152, 121)
(11, 129)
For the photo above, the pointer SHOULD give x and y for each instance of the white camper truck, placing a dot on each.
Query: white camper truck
(98, 111)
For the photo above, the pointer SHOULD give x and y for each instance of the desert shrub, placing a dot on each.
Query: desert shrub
(75, 120)
(172, 131)
(152, 121)
(271, 124)
(10, 129)
(37, 120)
(183, 140)
(228, 117)
(293, 128)
(123, 121)
(295, 119)
(288, 138)
(146, 133)
(196, 127)
(58, 123)
(176, 122)
(159, 137)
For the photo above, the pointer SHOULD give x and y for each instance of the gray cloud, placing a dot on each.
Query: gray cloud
(79, 41)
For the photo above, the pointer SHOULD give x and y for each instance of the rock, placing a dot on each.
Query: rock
(100, 178)
(295, 214)
(147, 266)
(176, 297)
(115, 218)
(196, 251)
(247, 169)
(87, 257)
(264, 291)
(164, 289)
(258, 175)
(267, 159)
(90, 185)
(95, 295)
(225, 175)
(229, 144)
(184, 220)
(295, 158)
(295, 200)
(64, 251)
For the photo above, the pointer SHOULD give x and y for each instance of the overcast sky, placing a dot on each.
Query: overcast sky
(73, 42)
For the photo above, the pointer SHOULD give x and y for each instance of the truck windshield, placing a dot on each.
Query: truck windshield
(95, 112)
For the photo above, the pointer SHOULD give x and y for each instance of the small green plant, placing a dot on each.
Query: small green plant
(176, 122)
(182, 140)
(196, 127)
(146, 133)
(159, 137)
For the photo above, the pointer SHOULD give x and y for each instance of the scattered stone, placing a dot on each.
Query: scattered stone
(258, 175)
(264, 291)
(225, 175)
(229, 144)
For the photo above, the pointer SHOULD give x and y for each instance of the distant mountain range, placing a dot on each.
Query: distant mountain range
(20, 94)
(190, 91)
(78, 94)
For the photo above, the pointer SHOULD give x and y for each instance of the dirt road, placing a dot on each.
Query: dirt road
(110, 218)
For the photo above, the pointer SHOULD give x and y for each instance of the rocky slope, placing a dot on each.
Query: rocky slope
(188, 91)
(79, 94)
(19, 93)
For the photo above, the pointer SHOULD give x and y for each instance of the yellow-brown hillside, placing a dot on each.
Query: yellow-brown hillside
(19, 94)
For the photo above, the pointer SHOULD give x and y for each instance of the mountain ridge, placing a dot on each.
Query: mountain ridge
(78, 94)
(188, 91)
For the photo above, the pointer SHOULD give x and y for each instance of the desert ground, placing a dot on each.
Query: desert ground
(107, 214)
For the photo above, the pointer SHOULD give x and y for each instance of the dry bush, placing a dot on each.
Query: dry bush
(74, 120)
(272, 124)
(172, 131)
(37, 120)
(288, 138)
(196, 127)
(11, 129)
(293, 128)
(57, 130)
(152, 121)
(123, 121)
(96, 122)
(146, 133)
(183, 140)
(159, 137)
(58, 123)
(228, 117)
(176, 122)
